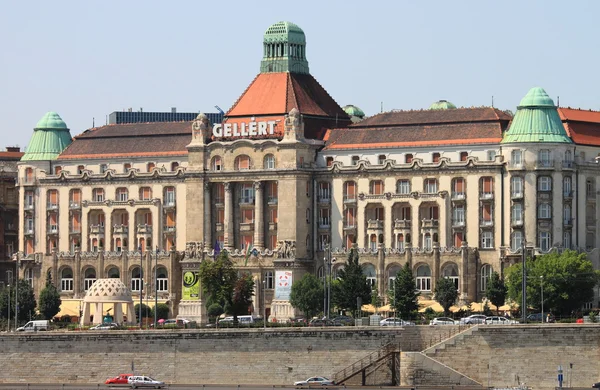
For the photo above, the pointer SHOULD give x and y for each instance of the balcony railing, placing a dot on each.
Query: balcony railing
(144, 229)
(272, 226)
(169, 229)
(219, 200)
(486, 195)
(53, 229)
(219, 226)
(349, 199)
(516, 195)
(75, 230)
(52, 206)
(349, 225)
(246, 200)
(430, 223)
(567, 164)
(96, 229)
(324, 223)
(246, 226)
(324, 197)
(486, 222)
(272, 200)
(74, 205)
(120, 229)
(169, 203)
(516, 222)
(568, 221)
(374, 224)
(459, 196)
(544, 164)
(458, 223)
(29, 206)
(402, 224)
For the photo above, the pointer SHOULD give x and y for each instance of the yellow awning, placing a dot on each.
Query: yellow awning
(71, 307)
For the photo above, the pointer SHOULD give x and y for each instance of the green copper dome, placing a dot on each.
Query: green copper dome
(284, 49)
(50, 137)
(352, 110)
(442, 105)
(536, 120)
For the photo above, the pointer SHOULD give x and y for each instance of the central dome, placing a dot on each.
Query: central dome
(108, 290)
(285, 32)
(442, 105)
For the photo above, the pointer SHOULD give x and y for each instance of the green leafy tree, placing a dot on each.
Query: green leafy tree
(49, 299)
(146, 311)
(568, 278)
(218, 278)
(162, 311)
(496, 290)
(241, 299)
(27, 303)
(404, 296)
(446, 293)
(351, 284)
(307, 295)
(376, 300)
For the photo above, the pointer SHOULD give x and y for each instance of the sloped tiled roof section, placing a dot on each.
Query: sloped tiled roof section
(272, 94)
(461, 126)
(134, 139)
(583, 126)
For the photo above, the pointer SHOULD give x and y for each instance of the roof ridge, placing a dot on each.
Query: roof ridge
(329, 95)
(342, 130)
(290, 84)
(241, 96)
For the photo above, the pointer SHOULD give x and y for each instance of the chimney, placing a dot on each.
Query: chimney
(173, 110)
(13, 148)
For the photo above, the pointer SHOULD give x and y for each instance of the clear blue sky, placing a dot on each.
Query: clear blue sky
(85, 59)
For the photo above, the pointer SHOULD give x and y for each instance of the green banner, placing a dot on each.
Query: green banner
(191, 286)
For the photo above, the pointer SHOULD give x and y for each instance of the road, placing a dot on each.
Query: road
(54, 386)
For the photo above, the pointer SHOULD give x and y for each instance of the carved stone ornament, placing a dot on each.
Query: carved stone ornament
(286, 249)
(293, 126)
(193, 250)
(200, 129)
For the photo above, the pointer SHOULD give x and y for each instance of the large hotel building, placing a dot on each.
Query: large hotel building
(290, 174)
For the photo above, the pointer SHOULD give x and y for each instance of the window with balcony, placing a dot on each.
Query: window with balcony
(568, 162)
(242, 162)
(458, 215)
(53, 223)
(122, 194)
(403, 186)
(247, 193)
(544, 183)
(350, 217)
(324, 191)
(145, 193)
(516, 240)
(29, 199)
(29, 225)
(322, 242)
(516, 186)
(463, 156)
(349, 190)
(98, 195)
(430, 186)
(458, 188)
(169, 196)
(150, 167)
(329, 161)
(170, 222)
(76, 222)
(544, 158)
(269, 161)
(408, 158)
(544, 211)
(544, 241)
(590, 188)
(517, 214)
(66, 279)
(567, 186)
(516, 158)
(325, 218)
(435, 157)
(381, 159)
(486, 274)
(423, 278)
(376, 187)
(52, 199)
(487, 187)
(75, 198)
(487, 239)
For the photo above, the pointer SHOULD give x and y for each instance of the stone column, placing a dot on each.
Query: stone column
(108, 230)
(207, 217)
(259, 218)
(381, 270)
(132, 244)
(228, 228)
(77, 287)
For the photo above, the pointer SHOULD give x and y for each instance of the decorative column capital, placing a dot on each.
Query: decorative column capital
(228, 186)
(207, 186)
(258, 185)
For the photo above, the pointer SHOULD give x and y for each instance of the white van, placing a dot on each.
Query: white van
(34, 326)
(242, 320)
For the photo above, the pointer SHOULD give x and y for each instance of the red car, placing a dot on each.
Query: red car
(121, 379)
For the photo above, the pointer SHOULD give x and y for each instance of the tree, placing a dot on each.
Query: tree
(405, 295)
(307, 295)
(445, 293)
(49, 299)
(376, 300)
(27, 303)
(351, 284)
(162, 311)
(146, 310)
(568, 278)
(496, 290)
(241, 299)
(218, 278)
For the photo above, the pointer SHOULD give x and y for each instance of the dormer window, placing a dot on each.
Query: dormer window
(355, 160)
(329, 161)
(435, 157)
(463, 156)
(408, 158)
(381, 159)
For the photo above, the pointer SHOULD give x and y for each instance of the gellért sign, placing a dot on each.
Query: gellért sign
(243, 129)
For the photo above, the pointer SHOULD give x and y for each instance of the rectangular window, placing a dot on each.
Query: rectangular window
(435, 157)
(145, 193)
(273, 216)
(516, 158)
(544, 238)
(126, 167)
(544, 157)
(324, 218)
(350, 217)
(544, 183)
(487, 240)
(29, 199)
(458, 215)
(487, 185)
(324, 191)
(408, 158)
(98, 195)
(463, 156)
(170, 219)
(170, 196)
(491, 155)
(76, 223)
(329, 161)
(403, 187)
(355, 160)
(247, 193)
(75, 197)
(486, 214)
(122, 194)
(430, 186)
(376, 187)
(350, 190)
(248, 216)
(381, 159)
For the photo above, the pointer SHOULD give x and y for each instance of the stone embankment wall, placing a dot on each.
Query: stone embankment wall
(277, 356)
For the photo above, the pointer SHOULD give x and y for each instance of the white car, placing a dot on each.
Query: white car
(497, 320)
(395, 322)
(442, 321)
(315, 380)
(473, 319)
(105, 326)
(136, 381)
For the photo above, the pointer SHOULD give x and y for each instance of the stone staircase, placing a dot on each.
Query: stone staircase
(369, 364)
(451, 341)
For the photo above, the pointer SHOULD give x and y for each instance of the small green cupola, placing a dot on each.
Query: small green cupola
(50, 137)
(442, 105)
(354, 112)
(284, 49)
(536, 120)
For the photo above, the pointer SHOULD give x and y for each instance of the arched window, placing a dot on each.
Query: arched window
(162, 280)
(66, 279)
(269, 161)
(392, 273)
(242, 162)
(89, 278)
(567, 214)
(369, 272)
(136, 279)
(486, 273)
(321, 273)
(98, 195)
(113, 273)
(423, 278)
(376, 187)
(400, 242)
(516, 240)
(517, 214)
(269, 280)
(336, 271)
(427, 242)
(450, 271)
(216, 164)
(150, 167)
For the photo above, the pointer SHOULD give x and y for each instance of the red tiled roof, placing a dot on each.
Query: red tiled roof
(278, 93)
(574, 114)
(11, 155)
(416, 136)
(583, 126)
(420, 117)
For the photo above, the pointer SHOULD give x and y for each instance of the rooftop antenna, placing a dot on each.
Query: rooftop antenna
(93, 122)
(381, 106)
(558, 101)
(492, 101)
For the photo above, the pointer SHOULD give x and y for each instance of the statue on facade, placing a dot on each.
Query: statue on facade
(293, 126)
(286, 249)
(200, 129)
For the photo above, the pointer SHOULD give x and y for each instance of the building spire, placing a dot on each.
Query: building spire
(284, 49)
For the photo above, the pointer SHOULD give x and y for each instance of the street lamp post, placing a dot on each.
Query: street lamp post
(542, 288)
(8, 310)
(264, 304)
(141, 283)
(524, 286)
(325, 282)
(156, 287)
(147, 289)
(17, 295)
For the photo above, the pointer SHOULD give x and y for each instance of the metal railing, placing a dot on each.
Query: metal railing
(365, 362)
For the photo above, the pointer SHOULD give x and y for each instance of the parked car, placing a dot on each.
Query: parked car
(120, 379)
(391, 321)
(596, 385)
(34, 326)
(498, 320)
(473, 319)
(343, 320)
(320, 322)
(136, 381)
(315, 380)
(537, 317)
(442, 321)
(109, 326)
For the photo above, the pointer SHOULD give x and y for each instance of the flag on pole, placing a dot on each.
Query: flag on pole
(217, 248)
(248, 252)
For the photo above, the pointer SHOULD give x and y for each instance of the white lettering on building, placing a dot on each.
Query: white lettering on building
(252, 129)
